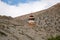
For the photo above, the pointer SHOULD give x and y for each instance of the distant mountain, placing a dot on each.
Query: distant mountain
(47, 24)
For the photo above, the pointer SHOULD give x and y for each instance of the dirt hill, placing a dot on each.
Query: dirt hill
(47, 24)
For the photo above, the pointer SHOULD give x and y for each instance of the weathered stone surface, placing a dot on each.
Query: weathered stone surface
(47, 25)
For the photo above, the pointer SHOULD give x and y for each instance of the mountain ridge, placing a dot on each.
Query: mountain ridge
(56, 6)
(47, 24)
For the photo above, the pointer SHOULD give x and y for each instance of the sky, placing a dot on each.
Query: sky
(16, 8)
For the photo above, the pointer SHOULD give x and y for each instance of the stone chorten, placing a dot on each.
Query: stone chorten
(31, 20)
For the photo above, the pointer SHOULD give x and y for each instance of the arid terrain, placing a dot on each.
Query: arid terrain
(47, 24)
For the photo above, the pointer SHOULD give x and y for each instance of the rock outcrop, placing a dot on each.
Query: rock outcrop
(47, 24)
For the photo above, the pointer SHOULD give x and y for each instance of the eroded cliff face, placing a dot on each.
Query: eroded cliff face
(47, 24)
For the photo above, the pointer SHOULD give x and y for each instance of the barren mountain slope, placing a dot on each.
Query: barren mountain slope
(47, 24)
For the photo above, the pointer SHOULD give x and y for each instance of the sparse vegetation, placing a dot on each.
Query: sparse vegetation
(54, 38)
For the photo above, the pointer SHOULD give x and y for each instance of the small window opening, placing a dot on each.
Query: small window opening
(31, 17)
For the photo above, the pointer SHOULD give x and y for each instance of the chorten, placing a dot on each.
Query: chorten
(31, 20)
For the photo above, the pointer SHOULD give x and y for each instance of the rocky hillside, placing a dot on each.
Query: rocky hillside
(47, 24)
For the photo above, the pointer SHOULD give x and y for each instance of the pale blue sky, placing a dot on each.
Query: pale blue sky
(22, 7)
(16, 2)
